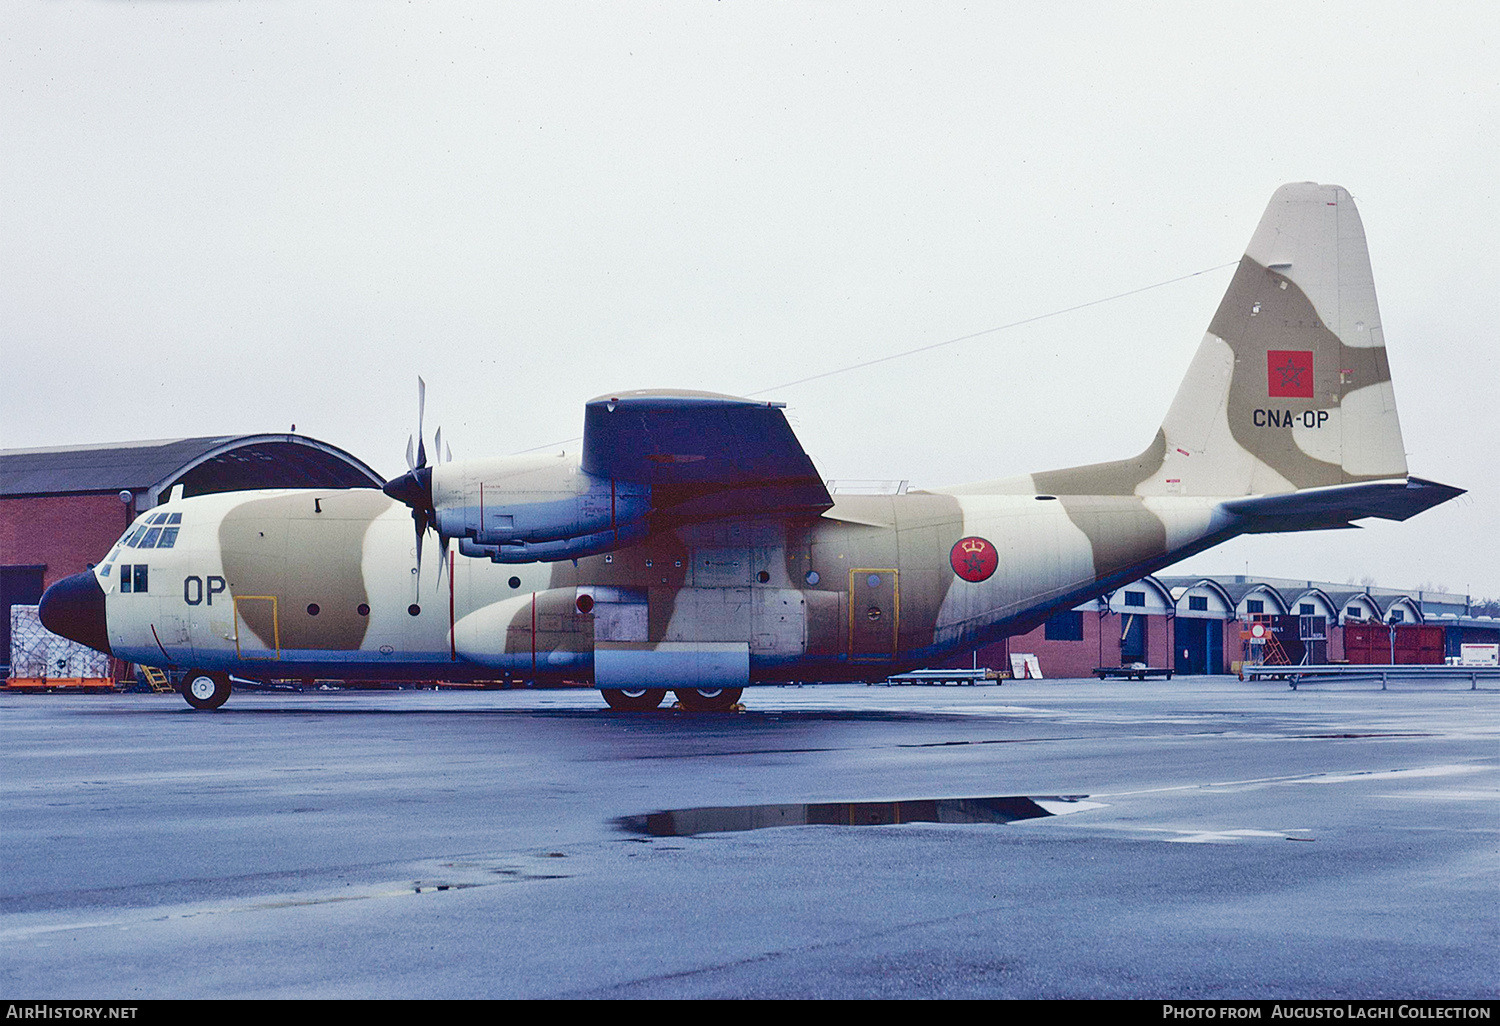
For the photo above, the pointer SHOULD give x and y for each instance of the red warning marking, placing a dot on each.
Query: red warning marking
(973, 559)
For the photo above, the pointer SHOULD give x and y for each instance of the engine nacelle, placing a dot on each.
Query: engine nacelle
(521, 509)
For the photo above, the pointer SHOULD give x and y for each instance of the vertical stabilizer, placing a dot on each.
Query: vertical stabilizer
(1290, 387)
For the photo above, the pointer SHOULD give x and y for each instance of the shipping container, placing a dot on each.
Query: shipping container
(1374, 644)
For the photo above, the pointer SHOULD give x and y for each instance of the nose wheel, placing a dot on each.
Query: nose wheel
(205, 690)
(708, 699)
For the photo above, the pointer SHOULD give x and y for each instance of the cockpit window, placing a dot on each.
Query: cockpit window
(153, 532)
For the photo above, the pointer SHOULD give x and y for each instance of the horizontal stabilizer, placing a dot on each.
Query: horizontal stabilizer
(1337, 505)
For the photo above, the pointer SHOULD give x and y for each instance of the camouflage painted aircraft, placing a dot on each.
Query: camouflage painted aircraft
(692, 546)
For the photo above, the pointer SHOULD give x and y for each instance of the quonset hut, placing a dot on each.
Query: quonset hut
(62, 508)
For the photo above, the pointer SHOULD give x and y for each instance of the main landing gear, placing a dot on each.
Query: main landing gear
(708, 699)
(634, 699)
(204, 690)
(690, 699)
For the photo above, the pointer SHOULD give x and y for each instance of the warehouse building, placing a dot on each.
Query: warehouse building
(1203, 625)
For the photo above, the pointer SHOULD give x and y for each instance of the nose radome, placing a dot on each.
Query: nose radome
(74, 608)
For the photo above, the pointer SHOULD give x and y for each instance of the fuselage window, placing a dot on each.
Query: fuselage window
(175, 518)
(149, 542)
(160, 518)
(168, 537)
(133, 578)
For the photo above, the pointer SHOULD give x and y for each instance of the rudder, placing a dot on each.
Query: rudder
(1290, 388)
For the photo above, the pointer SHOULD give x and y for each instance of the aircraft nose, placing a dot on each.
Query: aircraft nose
(74, 608)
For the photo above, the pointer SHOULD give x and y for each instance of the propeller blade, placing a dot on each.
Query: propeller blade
(437, 444)
(410, 463)
(421, 413)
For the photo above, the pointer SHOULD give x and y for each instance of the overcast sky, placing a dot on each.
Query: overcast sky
(232, 217)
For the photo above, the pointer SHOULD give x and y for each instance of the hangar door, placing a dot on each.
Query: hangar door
(1199, 645)
(19, 586)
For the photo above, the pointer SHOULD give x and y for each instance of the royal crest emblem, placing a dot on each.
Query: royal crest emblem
(973, 559)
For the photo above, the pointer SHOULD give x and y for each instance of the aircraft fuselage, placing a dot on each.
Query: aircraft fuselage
(320, 583)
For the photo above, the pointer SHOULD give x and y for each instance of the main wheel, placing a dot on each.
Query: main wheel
(204, 690)
(708, 699)
(634, 699)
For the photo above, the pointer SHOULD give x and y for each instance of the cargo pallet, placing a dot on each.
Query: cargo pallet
(1133, 672)
(91, 685)
(980, 675)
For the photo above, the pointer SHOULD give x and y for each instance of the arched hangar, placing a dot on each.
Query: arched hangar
(62, 507)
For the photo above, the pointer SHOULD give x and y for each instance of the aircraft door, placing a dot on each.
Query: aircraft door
(173, 635)
(874, 612)
(257, 632)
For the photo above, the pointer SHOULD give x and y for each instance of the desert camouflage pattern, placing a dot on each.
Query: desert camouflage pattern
(1285, 420)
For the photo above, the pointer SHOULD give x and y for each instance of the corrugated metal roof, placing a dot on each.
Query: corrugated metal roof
(209, 464)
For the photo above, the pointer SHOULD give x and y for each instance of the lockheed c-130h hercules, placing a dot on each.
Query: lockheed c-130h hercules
(692, 546)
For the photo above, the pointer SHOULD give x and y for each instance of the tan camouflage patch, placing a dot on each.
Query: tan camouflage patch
(256, 538)
(1264, 311)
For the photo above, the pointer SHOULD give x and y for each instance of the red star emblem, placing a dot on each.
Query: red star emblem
(1289, 373)
(974, 559)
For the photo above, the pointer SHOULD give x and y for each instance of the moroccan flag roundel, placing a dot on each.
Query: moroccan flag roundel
(973, 559)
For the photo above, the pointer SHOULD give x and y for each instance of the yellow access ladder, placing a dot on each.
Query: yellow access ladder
(158, 679)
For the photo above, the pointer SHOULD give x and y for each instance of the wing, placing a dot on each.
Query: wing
(704, 455)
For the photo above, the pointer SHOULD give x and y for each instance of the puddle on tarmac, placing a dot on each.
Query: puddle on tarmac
(1003, 809)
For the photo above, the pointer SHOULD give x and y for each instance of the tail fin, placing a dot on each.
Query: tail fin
(1286, 413)
(1290, 388)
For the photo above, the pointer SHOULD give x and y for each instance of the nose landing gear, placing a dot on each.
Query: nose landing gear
(204, 690)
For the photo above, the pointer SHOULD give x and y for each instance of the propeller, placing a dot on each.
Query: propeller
(414, 488)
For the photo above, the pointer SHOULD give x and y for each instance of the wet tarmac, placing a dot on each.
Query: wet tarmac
(1040, 839)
